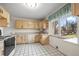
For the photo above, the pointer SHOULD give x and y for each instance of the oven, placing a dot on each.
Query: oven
(0, 32)
(9, 45)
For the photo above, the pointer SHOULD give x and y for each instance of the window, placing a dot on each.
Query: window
(66, 26)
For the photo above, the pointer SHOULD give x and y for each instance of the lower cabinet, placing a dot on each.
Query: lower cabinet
(44, 40)
(41, 38)
(32, 38)
(20, 39)
(67, 48)
(1, 48)
(37, 38)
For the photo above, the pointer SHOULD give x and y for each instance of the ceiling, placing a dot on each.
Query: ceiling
(19, 10)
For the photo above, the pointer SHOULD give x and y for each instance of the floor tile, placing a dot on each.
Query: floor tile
(36, 49)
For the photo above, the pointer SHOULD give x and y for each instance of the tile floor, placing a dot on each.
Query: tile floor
(36, 49)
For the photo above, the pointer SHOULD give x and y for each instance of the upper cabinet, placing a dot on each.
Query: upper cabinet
(75, 9)
(29, 24)
(32, 24)
(19, 24)
(70, 9)
(43, 24)
(3, 22)
(25, 24)
(4, 17)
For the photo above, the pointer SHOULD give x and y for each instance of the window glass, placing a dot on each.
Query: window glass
(68, 26)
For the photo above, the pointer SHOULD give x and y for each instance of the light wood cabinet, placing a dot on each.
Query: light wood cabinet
(36, 24)
(23, 24)
(37, 38)
(75, 9)
(41, 38)
(3, 22)
(44, 40)
(4, 17)
(43, 24)
(30, 24)
(40, 25)
(18, 39)
(21, 39)
(19, 24)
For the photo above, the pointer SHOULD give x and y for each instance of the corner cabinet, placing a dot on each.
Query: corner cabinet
(43, 24)
(4, 17)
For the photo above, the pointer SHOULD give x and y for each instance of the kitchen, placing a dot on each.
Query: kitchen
(22, 27)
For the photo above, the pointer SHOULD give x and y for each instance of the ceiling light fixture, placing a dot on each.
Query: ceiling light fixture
(31, 5)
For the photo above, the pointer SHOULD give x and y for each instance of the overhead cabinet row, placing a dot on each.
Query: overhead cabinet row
(21, 24)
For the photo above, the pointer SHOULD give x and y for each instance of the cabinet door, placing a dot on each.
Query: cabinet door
(28, 24)
(75, 9)
(21, 39)
(19, 23)
(31, 24)
(18, 39)
(25, 24)
(24, 38)
(36, 25)
(45, 24)
(3, 22)
(40, 25)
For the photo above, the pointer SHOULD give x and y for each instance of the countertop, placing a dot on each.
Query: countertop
(6, 37)
(72, 40)
(69, 40)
